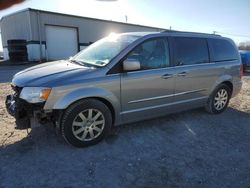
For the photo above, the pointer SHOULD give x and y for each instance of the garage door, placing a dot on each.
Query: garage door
(61, 42)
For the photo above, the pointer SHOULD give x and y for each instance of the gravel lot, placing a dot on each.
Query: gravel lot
(188, 149)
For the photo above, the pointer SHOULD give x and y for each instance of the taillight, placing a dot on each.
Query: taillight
(241, 70)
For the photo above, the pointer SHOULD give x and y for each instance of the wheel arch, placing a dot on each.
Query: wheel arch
(104, 101)
(210, 104)
(229, 84)
(106, 97)
(225, 79)
(108, 104)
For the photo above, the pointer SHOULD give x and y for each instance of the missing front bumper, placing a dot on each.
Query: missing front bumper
(17, 110)
(28, 115)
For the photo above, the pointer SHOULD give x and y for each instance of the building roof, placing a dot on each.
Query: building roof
(70, 15)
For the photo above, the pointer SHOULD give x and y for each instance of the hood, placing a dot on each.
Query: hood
(47, 74)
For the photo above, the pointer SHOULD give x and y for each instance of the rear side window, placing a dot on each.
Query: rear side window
(189, 51)
(222, 50)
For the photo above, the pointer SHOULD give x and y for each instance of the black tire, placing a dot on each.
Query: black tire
(210, 105)
(17, 48)
(71, 114)
(17, 42)
(18, 54)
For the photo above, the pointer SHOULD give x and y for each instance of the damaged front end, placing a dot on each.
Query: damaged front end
(27, 115)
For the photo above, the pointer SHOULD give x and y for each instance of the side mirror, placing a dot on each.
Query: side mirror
(131, 65)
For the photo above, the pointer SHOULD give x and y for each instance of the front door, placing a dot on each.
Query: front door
(145, 93)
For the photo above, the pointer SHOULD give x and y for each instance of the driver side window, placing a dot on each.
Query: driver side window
(152, 54)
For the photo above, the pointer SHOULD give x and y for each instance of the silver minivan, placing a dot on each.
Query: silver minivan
(125, 78)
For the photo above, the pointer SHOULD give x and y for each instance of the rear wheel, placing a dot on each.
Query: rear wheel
(86, 123)
(219, 99)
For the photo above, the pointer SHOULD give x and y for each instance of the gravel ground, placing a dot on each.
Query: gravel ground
(188, 149)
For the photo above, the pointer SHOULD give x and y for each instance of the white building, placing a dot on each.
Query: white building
(52, 36)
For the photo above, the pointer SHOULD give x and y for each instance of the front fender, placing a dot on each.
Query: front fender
(53, 103)
(82, 93)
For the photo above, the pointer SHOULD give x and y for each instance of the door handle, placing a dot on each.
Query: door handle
(182, 74)
(166, 76)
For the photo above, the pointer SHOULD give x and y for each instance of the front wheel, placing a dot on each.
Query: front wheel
(86, 123)
(219, 99)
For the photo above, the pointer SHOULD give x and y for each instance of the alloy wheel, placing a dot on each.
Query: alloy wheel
(220, 99)
(88, 124)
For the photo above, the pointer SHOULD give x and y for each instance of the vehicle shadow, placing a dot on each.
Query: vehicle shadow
(183, 149)
(38, 137)
(171, 122)
(47, 136)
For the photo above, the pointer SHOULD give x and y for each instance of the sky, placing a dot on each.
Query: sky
(229, 18)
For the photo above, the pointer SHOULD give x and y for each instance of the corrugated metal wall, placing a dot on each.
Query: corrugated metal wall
(16, 26)
(89, 30)
(30, 24)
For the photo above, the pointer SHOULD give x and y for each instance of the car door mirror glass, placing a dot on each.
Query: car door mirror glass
(131, 65)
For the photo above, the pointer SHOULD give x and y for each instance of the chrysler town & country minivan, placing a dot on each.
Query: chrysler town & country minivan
(125, 78)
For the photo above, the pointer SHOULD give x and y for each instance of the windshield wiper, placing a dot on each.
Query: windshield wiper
(101, 63)
(76, 62)
(82, 63)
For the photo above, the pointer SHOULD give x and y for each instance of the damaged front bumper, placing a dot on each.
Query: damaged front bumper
(27, 115)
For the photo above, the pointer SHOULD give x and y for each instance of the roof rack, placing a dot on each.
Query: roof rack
(169, 30)
(175, 31)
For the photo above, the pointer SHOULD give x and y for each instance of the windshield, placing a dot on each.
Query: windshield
(103, 51)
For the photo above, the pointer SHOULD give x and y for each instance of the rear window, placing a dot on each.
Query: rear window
(190, 51)
(223, 50)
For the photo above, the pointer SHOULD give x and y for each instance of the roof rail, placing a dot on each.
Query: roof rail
(175, 31)
(168, 31)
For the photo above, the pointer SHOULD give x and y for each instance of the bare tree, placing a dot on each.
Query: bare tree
(248, 45)
(244, 45)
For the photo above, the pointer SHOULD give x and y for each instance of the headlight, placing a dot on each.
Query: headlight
(35, 94)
